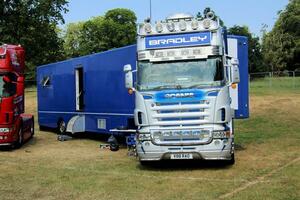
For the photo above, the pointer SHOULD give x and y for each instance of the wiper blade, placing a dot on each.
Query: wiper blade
(199, 85)
(167, 87)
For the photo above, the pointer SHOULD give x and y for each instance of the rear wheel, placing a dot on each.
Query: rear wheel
(32, 128)
(62, 127)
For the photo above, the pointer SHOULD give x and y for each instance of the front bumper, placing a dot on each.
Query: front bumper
(7, 139)
(5, 144)
(218, 149)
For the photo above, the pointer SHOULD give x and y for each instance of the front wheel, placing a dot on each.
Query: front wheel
(20, 140)
(144, 163)
(231, 161)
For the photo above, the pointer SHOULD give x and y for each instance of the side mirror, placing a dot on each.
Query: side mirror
(128, 76)
(235, 72)
(127, 68)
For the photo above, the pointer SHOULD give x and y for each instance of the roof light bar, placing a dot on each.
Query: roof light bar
(180, 23)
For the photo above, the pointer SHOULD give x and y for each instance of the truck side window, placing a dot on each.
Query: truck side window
(8, 89)
(219, 75)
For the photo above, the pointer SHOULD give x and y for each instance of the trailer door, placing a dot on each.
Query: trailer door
(238, 48)
(79, 88)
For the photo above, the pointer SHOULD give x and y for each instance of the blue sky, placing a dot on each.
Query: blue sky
(252, 13)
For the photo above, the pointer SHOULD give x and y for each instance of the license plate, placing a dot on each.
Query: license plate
(182, 156)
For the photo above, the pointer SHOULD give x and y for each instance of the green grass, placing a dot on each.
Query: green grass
(47, 169)
(273, 86)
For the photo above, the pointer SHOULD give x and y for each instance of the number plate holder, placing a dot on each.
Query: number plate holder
(182, 156)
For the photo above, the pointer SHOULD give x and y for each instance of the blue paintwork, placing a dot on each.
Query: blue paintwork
(213, 94)
(105, 95)
(243, 96)
(178, 40)
(174, 96)
(147, 97)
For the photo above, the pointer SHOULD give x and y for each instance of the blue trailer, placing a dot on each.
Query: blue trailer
(86, 94)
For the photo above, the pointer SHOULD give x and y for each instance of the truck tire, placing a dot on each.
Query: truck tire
(32, 128)
(20, 140)
(231, 161)
(144, 163)
(61, 129)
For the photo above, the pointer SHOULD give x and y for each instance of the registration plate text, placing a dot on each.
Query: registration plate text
(182, 156)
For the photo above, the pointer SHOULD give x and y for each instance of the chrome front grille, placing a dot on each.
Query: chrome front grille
(181, 137)
(181, 114)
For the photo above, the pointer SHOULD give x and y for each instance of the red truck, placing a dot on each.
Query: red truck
(15, 126)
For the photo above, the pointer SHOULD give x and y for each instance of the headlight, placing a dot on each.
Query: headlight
(144, 137)
(148, 28)
(221, 134)
(3, 137)
(5, 130)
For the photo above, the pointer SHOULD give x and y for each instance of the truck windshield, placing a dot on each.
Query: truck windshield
(7, 89)
(180, 74)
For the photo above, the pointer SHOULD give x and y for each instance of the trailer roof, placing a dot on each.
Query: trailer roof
(103, 52)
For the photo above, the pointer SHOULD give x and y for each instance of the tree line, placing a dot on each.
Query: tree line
(35, 25)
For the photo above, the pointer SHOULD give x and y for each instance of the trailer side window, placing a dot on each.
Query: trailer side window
(46, 82)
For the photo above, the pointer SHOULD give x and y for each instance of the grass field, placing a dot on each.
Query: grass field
(267, 161)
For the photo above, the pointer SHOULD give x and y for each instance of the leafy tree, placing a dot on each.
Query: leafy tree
(92, 36)
(115, 29)
(281, 46)
(72, 39)
(255, 55)
(33, 24)
(119, 28)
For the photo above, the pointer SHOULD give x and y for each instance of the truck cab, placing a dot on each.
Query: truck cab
(185, 81)
(15, 126)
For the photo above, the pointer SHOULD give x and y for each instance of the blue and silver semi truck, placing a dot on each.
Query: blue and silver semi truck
(191, 82)
(188, 81)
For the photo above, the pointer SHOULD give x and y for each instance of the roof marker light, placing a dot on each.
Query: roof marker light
(195, 24)
(171, 26)
(159, 27)
(206, 23)
(182, 25)
(148, 28)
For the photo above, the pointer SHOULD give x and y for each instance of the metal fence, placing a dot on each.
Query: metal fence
(30, 85)
(284, 79)
(258, 75)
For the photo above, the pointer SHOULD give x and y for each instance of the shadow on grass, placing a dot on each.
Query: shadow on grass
(99, 137)
(31, 142)
(6, 148)
(27, 143)
(240, 147)
(184, 165)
